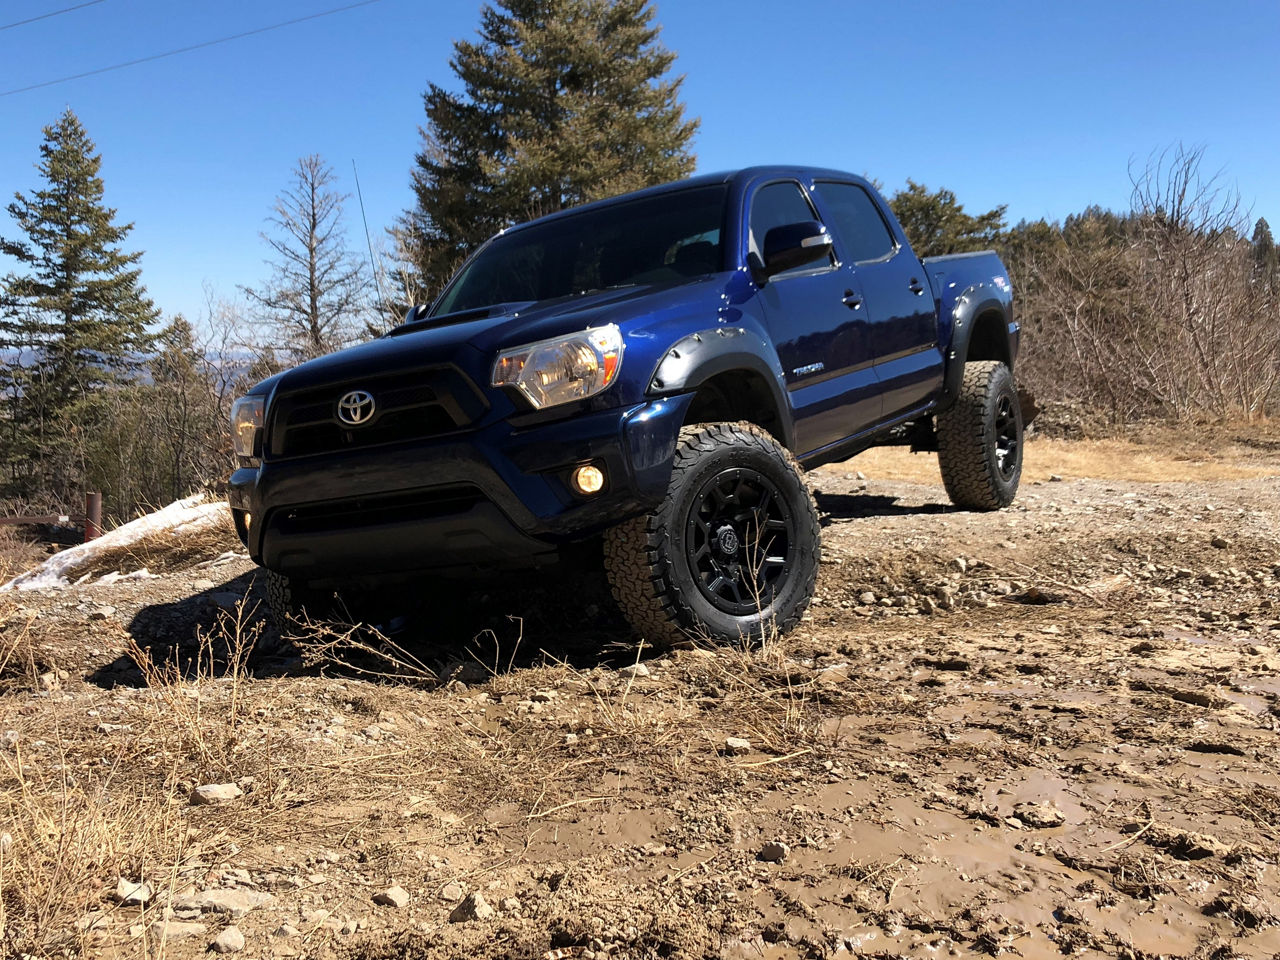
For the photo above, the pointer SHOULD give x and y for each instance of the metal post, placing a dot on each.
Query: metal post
(92, 516)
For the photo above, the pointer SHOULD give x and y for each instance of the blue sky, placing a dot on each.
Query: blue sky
(1038, 105)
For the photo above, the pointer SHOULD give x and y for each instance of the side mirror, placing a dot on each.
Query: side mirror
(793, 245)
(415, 313)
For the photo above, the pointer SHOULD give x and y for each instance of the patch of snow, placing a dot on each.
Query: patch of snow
(177, 519)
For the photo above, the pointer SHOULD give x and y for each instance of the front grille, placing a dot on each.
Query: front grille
(407, 406)
(373, 511)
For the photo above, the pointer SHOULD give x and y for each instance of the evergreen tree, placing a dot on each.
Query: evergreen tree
(317, 296)
(1265, 257)
(936, 223)
(564, 101)
(74, 317)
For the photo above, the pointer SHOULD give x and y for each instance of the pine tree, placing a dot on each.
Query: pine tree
(936, 223)
(1265, 257)
(74, 317)
(564, 101)
(316, 298)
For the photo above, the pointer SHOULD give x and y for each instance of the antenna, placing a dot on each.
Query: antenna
(377, 278)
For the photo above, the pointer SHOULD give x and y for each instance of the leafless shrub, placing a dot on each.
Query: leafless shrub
(1159, 312)
(360, 650)
(205, 730)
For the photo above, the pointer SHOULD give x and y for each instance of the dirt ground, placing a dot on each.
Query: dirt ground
(1046, 731)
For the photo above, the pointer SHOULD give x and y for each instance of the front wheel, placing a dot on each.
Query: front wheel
(980, 439)
(731, 552)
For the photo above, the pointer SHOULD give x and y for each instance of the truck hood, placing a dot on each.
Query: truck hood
(471, 340)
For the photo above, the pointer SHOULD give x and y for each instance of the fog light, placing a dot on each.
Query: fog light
(588, 480)
(248, 520)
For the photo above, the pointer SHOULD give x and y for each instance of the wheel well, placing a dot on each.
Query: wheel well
(990, 339)
(736, 395)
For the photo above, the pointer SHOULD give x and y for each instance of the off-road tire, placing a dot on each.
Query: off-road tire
(652, 574)
(290, 600)
(980, 439)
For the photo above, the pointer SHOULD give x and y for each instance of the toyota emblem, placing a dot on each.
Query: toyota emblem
(356, 407)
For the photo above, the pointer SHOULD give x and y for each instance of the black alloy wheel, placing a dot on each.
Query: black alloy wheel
(738, 540)
(1008, 429)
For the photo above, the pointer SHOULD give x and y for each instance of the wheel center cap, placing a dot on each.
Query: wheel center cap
(727, 541)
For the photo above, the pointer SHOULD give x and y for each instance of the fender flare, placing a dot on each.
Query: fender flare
(695, 359)
(969, 306)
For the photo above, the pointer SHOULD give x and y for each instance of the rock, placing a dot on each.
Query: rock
(1221, 543)
(1055, 478)
(1041, 815)
(48, 682)
(473, 907)
(235, 902)
(737, 746)
(286, 931)
(775, 851)
(634, 670)
(392, 897)
(215, 793)
(102, 613)
(453, 892)
(202, 584)
(866, 597)
(509, 905)
(132, 893)
(230, 940)
(961, 564)
(93, 921)
(178, 929)
(112, 728)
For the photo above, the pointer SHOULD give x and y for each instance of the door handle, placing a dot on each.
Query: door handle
(852, 300)
(915, 287)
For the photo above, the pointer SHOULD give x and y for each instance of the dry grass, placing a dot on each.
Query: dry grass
(164, 551)
(82, 812)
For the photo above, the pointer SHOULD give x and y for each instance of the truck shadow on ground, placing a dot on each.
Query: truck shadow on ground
(835, 507)
(508, 625)
(465, 630)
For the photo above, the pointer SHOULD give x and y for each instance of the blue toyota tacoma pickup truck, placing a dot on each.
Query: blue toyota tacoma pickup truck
(652, 373)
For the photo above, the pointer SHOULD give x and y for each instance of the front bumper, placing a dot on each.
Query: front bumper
(491, 498)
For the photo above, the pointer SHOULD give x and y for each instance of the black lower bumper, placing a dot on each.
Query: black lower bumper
(495, 498)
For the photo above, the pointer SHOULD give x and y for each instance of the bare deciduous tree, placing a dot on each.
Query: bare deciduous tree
(317, 297)
(1158, 312)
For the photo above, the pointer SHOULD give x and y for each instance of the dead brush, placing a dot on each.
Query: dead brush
(202, 701)
(21, 660)
(163, 551)
(71, 831)
(360, 650)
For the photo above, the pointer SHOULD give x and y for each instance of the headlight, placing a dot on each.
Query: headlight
(246, 421)
(562, 369)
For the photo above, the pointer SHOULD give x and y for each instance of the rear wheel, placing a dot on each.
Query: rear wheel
(980, 439)
(730, 553)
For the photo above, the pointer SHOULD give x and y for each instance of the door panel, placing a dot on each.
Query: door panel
(902, 328)
(818, 320)
(904, 331)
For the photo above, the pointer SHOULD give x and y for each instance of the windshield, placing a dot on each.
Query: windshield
(661, 239)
